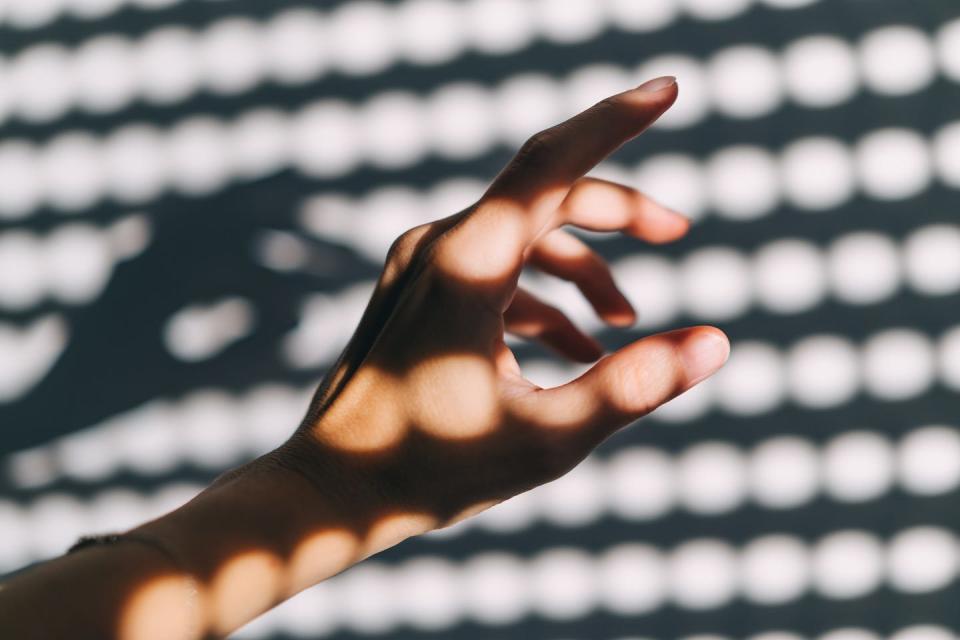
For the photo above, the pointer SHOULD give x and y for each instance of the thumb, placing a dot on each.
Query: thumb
(633, 381)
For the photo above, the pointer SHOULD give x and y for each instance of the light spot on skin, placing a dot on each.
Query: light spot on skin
(251, 581)
(394, 528)
(380, 427)
(319, 556)
(467, 390)
(155, 611)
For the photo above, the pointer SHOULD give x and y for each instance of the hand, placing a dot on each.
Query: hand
(427, 404)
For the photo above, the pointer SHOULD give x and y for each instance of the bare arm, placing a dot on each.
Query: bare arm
(425, 419)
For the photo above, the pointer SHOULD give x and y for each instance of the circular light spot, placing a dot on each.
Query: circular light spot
(923, 559)
(774, 569)
(73, 171)
(850, 634)
(510, 515)
(88, 456)
(632, 579)
(41, 83)
(929, 460)
(232, 56)
(712, 478)
(898, 364)
(496, 588)
(848, 564)
(295, 44)
(743, 182)
(643, 17)
(117, 510)
(363, 37)
(864, 268)
(564, 583)
(367, 599)
(135, 165)
(526, 104)
(20, 186)
(326, 139)
(949, 352)
(574, 499)
(932, 259)
(392, 127)
(689, 405)
(429, 597)
(897, 60)
(650, 283)
(820, 71)
(500, 26)
(430, 31)
(789, 276)
(858, 466)
(818, 173)
(948, 49)
(590, 84)
(924, 632)
(784, 472)
(105, 74)
(21, 270)
(703, 574)
(641, 483)
(715, 283)
(753, 381)
(823, 371)
(676, 181)
(745, 81)
(946, 154)
(570, 21)
(197, 152)
(168, 66)
(260, 143)
(55, 522)
(693, 102)
(461, 121)
(145, 440)
(78, 262)
(207, 427)
(894, 164)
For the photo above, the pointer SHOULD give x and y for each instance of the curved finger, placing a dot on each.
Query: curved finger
(601, 205)
(562, 254)
(531, 318)
(632, 382)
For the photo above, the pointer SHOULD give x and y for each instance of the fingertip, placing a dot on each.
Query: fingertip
(703, 351)
(662, 225)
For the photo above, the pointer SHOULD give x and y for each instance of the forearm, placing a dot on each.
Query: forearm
(240, 547)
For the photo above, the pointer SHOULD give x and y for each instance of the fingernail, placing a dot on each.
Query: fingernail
(657, 84)
(704, 353)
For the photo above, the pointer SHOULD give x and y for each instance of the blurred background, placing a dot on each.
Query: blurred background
(195, 198)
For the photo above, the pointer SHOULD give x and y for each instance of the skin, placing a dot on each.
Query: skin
(424, 420)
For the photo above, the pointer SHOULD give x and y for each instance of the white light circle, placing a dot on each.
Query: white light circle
(650, 283)
(78, 263)
(31, 14)
(948, 49)
(711, 478)
(898, 364)
(295, 46)
(570, 21)
(693, 102)
(73, 171)
(41, 83)
(564, 583)
(774, 569)
(703, 574)
(633, 580)
(848, 564)
(363, 38)
(897, 60)
(500, 26)
(949, 358)
(460, 121)
(197, 151)
(743, 182)
(820, 71)
(789, 276)
(858, 466)
(525, 104)
(429, 598)
(745, 81)
(207, 427)
(824, 371)
(715, 283)
(168, 65)
(946, 154)
(923, 559)
(55, 520)
(326, 139)
(641, 483)
(367, 600)
(260, 143)
(589, 85)
(22, 279)
(784, 472)
(137, 169)
(894, 164)
(676, 181)
(20, 184)
(88, 456)
(393, 129)
(689, 405)
(924, 632)
(931, 258)
(929, 460)
(105, 74)
(753, 381)
(818, 173)
(574, 499)
(864, 268)
(232, 56)
(642, 17)
(431, 31)
(496, 588)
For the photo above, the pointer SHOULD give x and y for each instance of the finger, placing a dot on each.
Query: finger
(523, 200)
(601, 205)
(531, 318)
(632, 382)
(562, 254)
